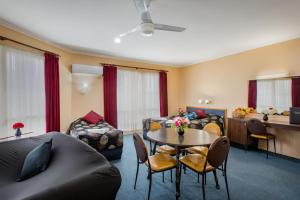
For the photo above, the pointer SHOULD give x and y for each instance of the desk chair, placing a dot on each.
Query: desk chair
(256, 129)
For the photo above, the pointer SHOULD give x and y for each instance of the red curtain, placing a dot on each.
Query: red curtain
(163, 93)
(252, 93)
(296, 92)
(52, 92)
(110, 94)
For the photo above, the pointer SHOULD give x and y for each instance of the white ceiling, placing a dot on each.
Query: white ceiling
(215, 28)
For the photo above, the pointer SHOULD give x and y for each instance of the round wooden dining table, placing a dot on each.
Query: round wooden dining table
(191, 137)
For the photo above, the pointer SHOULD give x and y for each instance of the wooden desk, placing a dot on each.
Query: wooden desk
(282, 124)
(237, 130)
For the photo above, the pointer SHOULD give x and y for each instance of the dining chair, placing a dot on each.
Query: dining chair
(163, 148)
(212, 128)
(256, 129)
(155, 163)
(154, 126)
(216, 157)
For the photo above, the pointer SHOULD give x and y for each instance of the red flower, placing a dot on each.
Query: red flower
(18, 125)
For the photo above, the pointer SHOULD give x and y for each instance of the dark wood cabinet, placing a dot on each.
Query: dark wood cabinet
(237, 132)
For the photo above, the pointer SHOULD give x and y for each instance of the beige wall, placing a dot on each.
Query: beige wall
(72, 103)
(226, 81)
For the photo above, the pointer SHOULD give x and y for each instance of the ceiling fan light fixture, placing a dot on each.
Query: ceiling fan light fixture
(147, 34)
(147, 29)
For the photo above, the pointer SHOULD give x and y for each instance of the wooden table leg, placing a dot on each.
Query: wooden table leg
(177, 173)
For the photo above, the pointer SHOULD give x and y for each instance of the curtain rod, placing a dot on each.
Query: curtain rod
(124, 66)
(287, 77)
(27, 45)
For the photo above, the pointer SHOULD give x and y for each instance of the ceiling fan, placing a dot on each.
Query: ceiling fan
(147, 26)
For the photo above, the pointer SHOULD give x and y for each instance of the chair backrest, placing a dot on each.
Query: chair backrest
(256, 126)
(218, 151)
(155, 126)
(140, 148)
(213, 128)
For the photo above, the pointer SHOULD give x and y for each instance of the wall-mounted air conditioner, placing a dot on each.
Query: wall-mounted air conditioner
(87, 69)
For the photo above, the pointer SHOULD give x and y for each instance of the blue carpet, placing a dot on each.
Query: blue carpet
(250, 176)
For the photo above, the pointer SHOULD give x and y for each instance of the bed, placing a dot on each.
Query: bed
(101, 136)
(215, 115)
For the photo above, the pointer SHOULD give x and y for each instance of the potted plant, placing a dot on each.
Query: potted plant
(17, 126)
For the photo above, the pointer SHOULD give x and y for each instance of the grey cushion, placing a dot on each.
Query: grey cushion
(36, 161)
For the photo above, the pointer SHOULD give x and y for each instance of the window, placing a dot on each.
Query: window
(274, 93)
(137, 98)
(22, 91)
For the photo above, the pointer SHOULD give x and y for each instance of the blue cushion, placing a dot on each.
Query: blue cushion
(36, 161)
(191, 116)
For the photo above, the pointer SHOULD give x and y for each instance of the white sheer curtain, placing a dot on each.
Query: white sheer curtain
(22, 90)
(274, 93)
(137, 98)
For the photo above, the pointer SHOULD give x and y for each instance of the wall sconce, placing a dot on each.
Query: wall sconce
(83, 82)
(204, 101)
(83, 87)
(84, 75)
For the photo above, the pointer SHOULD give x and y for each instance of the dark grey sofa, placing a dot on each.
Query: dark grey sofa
(76, 171)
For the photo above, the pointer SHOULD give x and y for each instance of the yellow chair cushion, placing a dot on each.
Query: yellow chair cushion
(213, 128)
(196, 162)
(155, 126)
(262, 136)
(198, 150)
(166, 149)
(161, 162)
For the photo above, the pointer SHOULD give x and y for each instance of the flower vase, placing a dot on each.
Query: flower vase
(181, 139)
(18, 132)
(180, 131)
(265, 118)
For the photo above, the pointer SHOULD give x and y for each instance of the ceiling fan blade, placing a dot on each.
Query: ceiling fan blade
(148, 3)
(168, 28)
(142, 8)
(130, 31)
